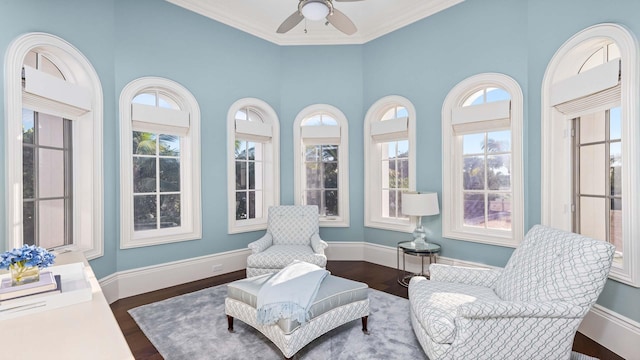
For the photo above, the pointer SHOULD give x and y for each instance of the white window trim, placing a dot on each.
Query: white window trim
(88, 168)
(451, 164)
(372, 170)
(271, 191)
(343, 162)
(556, 145)
(191, 207)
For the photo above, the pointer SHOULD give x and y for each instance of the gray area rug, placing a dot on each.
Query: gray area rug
(194, 326)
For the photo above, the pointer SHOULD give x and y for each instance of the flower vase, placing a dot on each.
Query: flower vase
(21, 274)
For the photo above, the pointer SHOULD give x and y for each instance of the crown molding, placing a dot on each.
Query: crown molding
(249, 19)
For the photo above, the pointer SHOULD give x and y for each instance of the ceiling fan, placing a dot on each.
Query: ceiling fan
(316, 10)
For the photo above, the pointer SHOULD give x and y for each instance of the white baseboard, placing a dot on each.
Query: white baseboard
(610, 329)
(613, 331)
(150, 278)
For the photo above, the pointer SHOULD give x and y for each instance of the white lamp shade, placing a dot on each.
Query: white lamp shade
(416, 204)
(315, 11)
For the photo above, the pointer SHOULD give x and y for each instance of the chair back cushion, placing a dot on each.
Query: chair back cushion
(556, 265)
(292, 224)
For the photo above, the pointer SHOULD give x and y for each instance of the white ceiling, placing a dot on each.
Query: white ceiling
(261, 18)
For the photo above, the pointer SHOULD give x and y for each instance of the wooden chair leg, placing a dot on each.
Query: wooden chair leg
(364, 325)
(230, 323)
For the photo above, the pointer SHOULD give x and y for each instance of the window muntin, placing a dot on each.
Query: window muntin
(598, 178)
(482, 162)
(486, 186)
(47, 180)
(253, 179)
(249, 179)
(394, 177)
(156, 181)
(321, 163)
(321, 178)
(321, 168)
(160, 148)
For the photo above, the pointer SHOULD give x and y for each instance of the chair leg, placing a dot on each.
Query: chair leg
(230, 323)
(364, 325)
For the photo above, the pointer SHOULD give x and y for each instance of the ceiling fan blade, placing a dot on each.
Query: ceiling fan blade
(290, 22)
(341, 22)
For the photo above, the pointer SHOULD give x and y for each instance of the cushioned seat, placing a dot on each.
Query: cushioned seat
(292, 234)
(338, 301)
(531, 309)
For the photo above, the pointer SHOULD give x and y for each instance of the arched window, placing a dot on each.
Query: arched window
(390, 162)
(482, 161)
(590, 142)
(321, 169)
(253, 166)
(54, 153)
(160, 160)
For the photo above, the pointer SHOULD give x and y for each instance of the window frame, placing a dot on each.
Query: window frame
(452, 212)
(87, 131)
(343, 162)
(556, 161)
(372, 181)
(271, 166)
(190, 179)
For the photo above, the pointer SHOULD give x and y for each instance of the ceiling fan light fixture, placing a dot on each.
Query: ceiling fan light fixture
(315, 10)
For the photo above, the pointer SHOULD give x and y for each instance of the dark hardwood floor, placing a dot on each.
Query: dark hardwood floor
(377, 277)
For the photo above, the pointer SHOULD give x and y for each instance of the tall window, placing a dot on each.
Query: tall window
(54, 180)
(482, 165)
(160, 158)
(389, 139)
(47, 165)
(321, 169)
(590, 142)
(253, 170)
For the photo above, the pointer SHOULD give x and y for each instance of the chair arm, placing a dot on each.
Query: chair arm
(520, 309)
(464, 275)
(318, 245)
(261, 244)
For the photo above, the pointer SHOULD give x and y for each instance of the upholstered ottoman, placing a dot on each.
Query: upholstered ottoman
(337, 302)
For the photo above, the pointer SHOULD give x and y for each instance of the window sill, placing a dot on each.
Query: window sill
(404, 226)
(490, 237)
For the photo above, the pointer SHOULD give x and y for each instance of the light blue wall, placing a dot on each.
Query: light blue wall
(125, 40)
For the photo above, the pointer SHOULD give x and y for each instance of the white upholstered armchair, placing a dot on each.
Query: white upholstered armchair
(292, 234)
(531, 309)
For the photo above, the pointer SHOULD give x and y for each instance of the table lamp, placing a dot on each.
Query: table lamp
(417, 204)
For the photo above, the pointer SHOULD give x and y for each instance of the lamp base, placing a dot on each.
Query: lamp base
(419, 235)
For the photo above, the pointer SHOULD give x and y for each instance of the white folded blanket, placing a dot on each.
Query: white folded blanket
(289, 293)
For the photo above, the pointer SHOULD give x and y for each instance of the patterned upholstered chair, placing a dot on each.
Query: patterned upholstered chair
(292, 234)
(531, 309)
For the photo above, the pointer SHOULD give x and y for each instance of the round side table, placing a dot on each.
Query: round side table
(429, 250)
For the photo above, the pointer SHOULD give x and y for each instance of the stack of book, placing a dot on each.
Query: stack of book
(47, 285)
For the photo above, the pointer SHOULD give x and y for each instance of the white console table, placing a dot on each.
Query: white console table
(86, 330)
